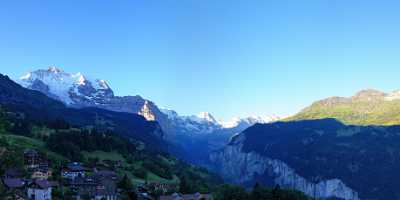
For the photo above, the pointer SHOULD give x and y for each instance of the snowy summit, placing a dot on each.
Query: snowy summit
(65, 86)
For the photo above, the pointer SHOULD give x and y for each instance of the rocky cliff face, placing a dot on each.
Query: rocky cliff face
(240, 167)
(323, 158)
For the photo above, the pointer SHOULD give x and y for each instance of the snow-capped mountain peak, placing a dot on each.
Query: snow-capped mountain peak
(206, 123)
(64, 86)
(171, 114)
(236, 121)
(78, 90)
(230, 124)
(55, 69)
(81, 80)
(103, 84)
(207, 117)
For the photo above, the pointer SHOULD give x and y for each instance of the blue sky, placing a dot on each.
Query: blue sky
(228, 57)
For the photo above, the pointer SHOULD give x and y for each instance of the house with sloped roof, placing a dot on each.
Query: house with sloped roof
(41, 173)
(32, 158)
(40, 190)
(73, 170)
(103, 174)
(196, 196)
(100, 185)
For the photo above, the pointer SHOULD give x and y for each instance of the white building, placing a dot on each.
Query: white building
(39, 190)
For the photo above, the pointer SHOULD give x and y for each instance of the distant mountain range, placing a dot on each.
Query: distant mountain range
(37, 107)
(197, 133)
(77, 90)
(32, 120)
(367, 107)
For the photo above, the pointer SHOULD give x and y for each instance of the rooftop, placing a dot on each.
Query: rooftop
(14, 182)
(31, 152)
(105, 174)
(75, 167)
(196, 196)
(43, 184)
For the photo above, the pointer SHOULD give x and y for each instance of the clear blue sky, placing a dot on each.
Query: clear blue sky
(228, 57)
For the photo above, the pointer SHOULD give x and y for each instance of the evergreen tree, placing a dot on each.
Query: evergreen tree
(259, 193)
(231, 192)
(3, 121)
(276, 192)
(255, 194)
(125, 184)
(184, 186)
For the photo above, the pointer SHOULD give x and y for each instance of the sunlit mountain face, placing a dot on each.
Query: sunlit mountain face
(198, 134)
(367, 107)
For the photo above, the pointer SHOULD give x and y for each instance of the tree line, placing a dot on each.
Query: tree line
(232, 192)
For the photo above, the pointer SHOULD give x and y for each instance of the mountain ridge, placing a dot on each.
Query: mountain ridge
(366, 107)
(38, 107)
(77, 90)
(191, 134)
(323, 158)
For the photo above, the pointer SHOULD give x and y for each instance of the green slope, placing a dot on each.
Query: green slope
(367, 107)
(63, 144)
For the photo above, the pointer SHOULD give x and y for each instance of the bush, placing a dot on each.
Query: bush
(231, 192)
(158, 168)
(140, 173)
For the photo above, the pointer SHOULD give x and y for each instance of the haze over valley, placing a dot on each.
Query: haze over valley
(199, 100)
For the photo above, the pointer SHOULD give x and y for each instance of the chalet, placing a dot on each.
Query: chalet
(164, 187)
(196, 196)
(73, 170)
(105, 174)
(102, 185)
(83, 185)
(40, 190)
(41, 174)
(107, 193)
(31, 159)
(107, 188)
